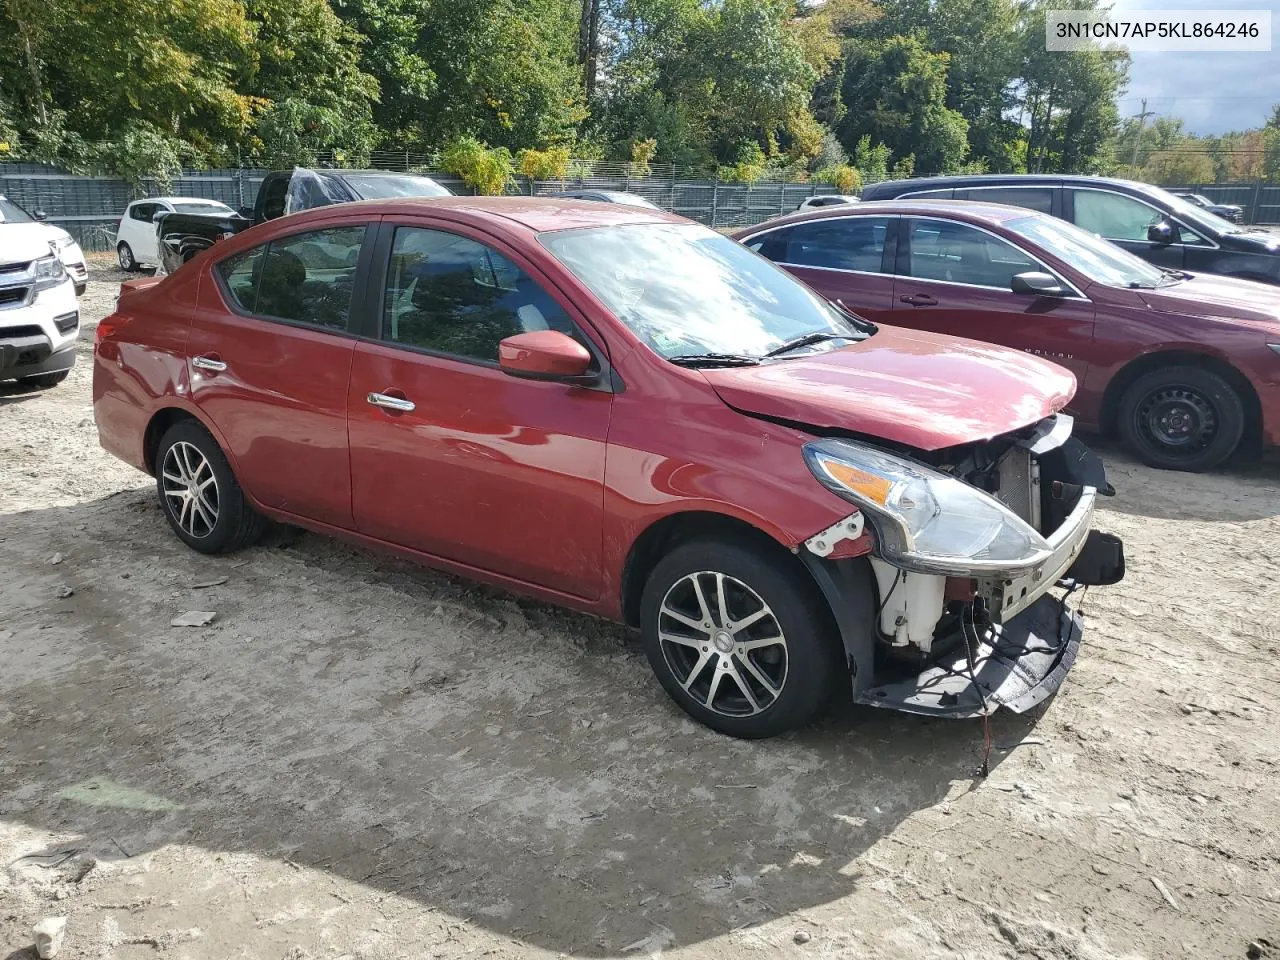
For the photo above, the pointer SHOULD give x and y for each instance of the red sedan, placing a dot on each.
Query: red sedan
(1183, 367)
(617, 410)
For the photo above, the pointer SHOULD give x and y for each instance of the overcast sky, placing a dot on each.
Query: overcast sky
(1213, 92)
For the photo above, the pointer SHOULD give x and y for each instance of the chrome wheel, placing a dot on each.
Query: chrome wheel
(190, 489)
(723, 644)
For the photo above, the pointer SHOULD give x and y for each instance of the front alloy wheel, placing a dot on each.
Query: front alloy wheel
(724, 643)
(740, 637)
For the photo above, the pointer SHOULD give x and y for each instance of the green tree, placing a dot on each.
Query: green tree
(895, 91)
(1067, 100)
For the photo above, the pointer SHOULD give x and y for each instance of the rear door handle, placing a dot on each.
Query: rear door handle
(920, 300)
(211, 364)
(399, 404)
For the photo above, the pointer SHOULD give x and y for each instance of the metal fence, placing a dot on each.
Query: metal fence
(1261, 201)
(89, 208)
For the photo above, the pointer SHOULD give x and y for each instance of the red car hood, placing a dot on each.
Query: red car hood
(1206, 295)
(920, 389)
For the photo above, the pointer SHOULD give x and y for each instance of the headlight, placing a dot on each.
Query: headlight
(49, 272)
(926, 521)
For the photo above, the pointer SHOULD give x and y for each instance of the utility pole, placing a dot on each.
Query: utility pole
(1137, 137)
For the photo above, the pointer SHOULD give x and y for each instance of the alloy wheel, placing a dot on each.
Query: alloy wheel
(723, 644)
(190, 489)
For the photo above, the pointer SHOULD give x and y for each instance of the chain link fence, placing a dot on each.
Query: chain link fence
(89, 208)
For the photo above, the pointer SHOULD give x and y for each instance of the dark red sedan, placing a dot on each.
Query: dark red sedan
(1184, 367)
(617, 410)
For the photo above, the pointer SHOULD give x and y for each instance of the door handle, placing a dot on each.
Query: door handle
(211, 364)
(920, 300)
(399, 404)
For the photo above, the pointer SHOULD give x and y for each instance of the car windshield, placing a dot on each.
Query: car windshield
(10, 212)
(1197, 216)
(633, 200)
(688, 291)
(379, 186)
(1099, 260)
(201, 208)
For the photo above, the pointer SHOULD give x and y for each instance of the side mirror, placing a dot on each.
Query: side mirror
(545, 355)
(245, 212)
(1162, 233)
(39, 215)
(1037, 284)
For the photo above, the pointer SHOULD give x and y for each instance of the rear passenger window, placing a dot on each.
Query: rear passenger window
(848, 243)
(1114, 216)
(1033, 198)
(240, 275)
(307, 278)
(450, 294)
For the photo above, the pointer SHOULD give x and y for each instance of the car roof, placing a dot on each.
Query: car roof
(961, 181)
(968, 210)
(539, 214)
(204, 200)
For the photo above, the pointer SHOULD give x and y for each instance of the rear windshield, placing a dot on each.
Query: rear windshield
(382, 187)
(201, 208)
(10, 212)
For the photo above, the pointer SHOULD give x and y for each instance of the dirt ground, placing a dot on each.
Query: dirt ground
(362, 759)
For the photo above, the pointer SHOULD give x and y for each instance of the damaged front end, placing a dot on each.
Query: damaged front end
(964, 551)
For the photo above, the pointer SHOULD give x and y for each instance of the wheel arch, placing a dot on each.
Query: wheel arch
(1148, 362)
(166, 416)
(666, 533)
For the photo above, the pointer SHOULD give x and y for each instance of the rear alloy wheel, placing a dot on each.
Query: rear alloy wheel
(201, 499)
(741, 641)
(1182, 418)
(125, 255)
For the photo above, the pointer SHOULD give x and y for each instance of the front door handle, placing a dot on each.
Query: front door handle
(920, 300)
(211, 364)
(399, 404)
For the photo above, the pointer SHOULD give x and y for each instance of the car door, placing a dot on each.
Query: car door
(1124, 220)
(449, 455)
(270, 352)
(846, 259)
(148, 248)
(955, 278)
(137, 224)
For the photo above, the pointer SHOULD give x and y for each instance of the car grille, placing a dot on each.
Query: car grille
(18, 333)
(12, 295)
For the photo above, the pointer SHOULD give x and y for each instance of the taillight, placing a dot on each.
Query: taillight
(107, 327)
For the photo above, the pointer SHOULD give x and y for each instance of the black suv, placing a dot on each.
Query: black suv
(1159, 227)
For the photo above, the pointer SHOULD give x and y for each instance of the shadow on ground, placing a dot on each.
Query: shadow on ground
(497, 760)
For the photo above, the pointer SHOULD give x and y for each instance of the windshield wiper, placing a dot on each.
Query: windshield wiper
(862, 324)
(806, 340)
(694, 360)
(1173, 276)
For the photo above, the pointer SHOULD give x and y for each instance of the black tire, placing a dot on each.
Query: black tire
(124, 254)
(1181, 418)
(805, 671)
(46, 380)
(236, 524)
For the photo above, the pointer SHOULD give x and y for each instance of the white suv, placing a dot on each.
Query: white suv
(64, 245)
(136, 244)
(39, 318)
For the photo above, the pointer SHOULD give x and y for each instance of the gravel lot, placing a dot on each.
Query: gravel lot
(363, 759)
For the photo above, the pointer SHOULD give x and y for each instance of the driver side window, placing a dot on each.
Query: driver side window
(450, 294)
(1114, 216)
(958, 253)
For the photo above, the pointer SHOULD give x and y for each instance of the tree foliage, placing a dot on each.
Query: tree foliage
(749, 87)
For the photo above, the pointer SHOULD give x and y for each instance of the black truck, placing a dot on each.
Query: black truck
(182, 235)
